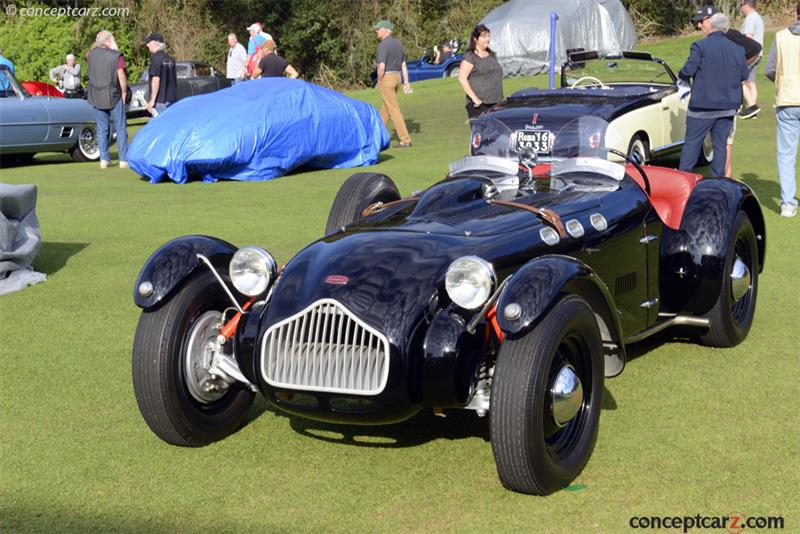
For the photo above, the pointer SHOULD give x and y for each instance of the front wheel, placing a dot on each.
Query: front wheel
(180, 401)
(732, 315)
(545, 403)
(356, 194)
(86, 149)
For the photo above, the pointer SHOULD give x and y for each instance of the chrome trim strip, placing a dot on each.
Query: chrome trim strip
(489, 303)
(325, 348)
(221, 282)
(678, 320)
(670, 146)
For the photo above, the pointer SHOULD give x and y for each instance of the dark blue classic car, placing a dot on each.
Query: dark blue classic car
(634, 92)
(426, 68)
(510, 288)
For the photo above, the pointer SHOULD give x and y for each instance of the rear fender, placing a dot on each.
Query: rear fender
(176, 260)
(541, 282)
(693, 257)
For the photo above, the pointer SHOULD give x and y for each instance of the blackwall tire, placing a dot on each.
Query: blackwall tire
(730, 319)
(160, 384)
(87, 148)
(453, 72)
(532, 452)
(356, 194)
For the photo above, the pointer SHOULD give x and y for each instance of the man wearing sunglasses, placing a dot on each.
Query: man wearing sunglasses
(236, 66)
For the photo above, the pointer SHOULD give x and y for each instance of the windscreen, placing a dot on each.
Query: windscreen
(615, 70)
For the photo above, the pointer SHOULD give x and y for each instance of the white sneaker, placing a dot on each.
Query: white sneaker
(104, 163)
(787, 210)
(123, 165)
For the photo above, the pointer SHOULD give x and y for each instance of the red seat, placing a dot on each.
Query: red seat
(669, 191)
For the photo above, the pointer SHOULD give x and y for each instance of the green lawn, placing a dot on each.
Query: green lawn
(684, 430)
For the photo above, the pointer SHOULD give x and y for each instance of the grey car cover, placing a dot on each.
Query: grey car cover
(520, 31)
(20, 239)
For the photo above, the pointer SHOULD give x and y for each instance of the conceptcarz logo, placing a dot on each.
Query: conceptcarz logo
(734, 522)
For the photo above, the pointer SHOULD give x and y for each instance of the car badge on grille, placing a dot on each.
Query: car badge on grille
(337, 280)
(535, 119)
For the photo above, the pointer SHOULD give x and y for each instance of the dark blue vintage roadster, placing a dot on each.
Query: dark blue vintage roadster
(509, 288)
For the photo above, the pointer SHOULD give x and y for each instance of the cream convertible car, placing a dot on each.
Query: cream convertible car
(635, 93)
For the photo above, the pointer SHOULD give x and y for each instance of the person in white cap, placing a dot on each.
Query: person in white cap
(68, 78)
(257, 37)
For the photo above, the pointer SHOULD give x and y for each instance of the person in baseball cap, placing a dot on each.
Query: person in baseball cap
(257, 37)
(155, 36)
(163, 77)
(703, 13)
(391, 73)
(385, 24)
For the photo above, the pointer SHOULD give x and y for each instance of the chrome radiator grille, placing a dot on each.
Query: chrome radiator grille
(325, 348)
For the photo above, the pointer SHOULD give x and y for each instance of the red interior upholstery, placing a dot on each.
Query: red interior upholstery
(669, 191)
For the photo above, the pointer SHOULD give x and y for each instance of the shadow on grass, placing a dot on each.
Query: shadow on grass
(768, 191)
(12, 162)
(47, 516)
(608, 402)
(53, 256)
(674, 334)
(422, 428)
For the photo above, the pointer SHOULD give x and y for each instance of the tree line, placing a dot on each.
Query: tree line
(330, 42)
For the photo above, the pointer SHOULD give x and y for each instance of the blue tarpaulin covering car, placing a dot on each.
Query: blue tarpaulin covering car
(258, 130)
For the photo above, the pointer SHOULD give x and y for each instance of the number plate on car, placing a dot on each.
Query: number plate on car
(538, 140)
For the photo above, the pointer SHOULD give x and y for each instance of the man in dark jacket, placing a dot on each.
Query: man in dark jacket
(108, 86)
(162, 75)
(717, 67)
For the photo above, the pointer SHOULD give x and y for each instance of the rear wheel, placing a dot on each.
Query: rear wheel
(732, 315)
(86, 149)
(545, 404)
(180, 401)
(356, 194)
(453, 71)
(638, 150)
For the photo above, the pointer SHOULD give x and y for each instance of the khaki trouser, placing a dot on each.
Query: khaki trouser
(388, 86)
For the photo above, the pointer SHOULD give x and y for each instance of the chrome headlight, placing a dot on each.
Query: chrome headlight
(252, 270)
(469, 282)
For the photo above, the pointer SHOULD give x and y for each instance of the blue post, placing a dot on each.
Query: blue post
(551, 55)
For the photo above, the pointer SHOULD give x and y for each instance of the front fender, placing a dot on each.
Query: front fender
(693, 257)
(541, 282)
(176, 260)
